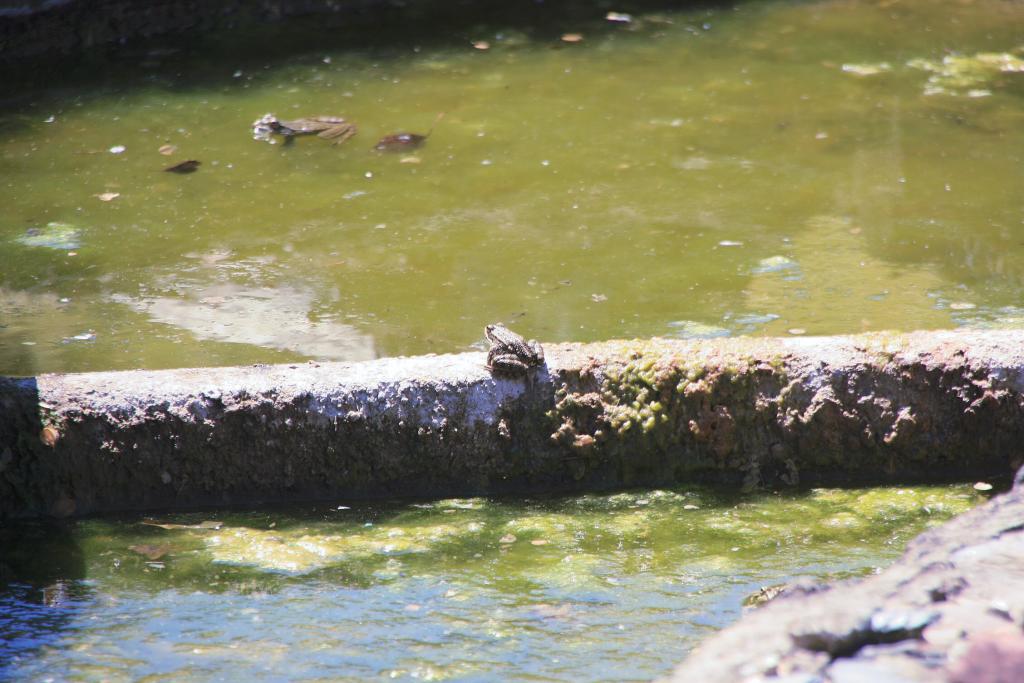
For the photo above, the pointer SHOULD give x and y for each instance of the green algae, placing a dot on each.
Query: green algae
(973, 75)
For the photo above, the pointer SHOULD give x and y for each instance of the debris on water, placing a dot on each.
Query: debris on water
(184, 167)
(410, 160)
(598, 298)
(167, 150)
(730, 243)
(774, 264)
(153, 552)
(49, 436)
(964, 74)
(118, 149)
(572, 37)
(983, 486)
(619, 17)
(691, 329)
(481, 45)
(399, 142)
(55, 235)
(207, 525)
(755, 319)
(108, 196)
(867, 69)
(796, 331)
(85, 336)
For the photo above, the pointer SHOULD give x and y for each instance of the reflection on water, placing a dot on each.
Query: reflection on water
(277, 318)
(587, 588)
(753, 169)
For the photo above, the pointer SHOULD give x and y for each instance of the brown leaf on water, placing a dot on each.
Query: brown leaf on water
(184, 167)
(152, 552)
(167, 150)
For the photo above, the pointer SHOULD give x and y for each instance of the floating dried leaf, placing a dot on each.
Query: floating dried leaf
(400, 141)
(184, 167)
(49, 436)
(167, 150)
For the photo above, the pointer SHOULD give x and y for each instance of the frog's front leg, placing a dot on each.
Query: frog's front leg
(506, 363)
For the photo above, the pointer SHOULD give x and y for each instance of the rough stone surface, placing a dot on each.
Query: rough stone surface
(626, 413)
(951, 610)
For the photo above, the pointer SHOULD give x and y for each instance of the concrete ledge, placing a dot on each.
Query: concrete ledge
(873, 408)
(951, 610)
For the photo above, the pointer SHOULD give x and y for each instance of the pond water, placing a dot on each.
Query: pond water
(588, 588)
(757, 168)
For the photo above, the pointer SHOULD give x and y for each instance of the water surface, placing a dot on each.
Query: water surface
(588, 588)
(814, 167)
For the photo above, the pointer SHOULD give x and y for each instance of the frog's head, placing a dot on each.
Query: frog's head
(492, 332)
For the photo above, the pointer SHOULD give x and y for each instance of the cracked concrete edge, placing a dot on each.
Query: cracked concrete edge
(744, 411)
(951, 609)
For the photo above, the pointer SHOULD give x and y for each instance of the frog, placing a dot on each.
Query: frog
(510, 354)
(332, 128)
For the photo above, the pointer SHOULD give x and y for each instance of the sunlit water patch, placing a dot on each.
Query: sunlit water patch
(823, 167)
(588, 588)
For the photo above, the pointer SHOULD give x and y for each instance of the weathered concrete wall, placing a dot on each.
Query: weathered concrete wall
(745, 411)
(951, 611)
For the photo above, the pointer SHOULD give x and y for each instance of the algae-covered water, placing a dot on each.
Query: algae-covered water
(769, 167)
(589, 588)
